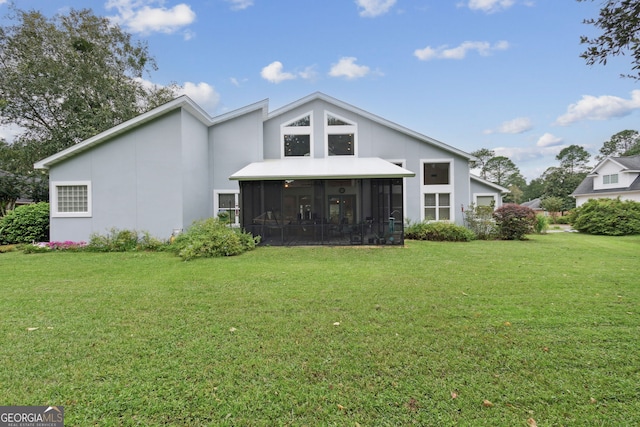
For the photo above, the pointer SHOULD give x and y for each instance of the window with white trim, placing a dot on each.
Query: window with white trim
(437, 207)
(340, 136)
(437, 190)
(71, 199)
(610, 179)
(436, 173)
(485, 200)
(297, 140)
(226, 205)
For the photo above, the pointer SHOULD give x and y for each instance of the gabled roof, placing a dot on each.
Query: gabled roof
(626, 164)
(586, 187)
(489, 183)
(341, 104)
(533, 204)
(183, 102)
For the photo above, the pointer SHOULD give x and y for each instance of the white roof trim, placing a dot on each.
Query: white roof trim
(489, 183)
(335, 167)
(370, 116)
(180, 102)
(260, 105)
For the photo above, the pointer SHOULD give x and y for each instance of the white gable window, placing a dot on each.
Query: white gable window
(297, 140)
(341, 136)
(610, 179)
(71, 199)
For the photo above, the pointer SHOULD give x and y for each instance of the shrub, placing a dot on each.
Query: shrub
(439, 231)
(212, 238)
(514, 221)
(479, 219)
(610, 217)
(542, 224)
(25, 224)
(122, 241)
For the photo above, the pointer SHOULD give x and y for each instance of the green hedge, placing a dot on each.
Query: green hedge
(438, 231)
(25, 224)
(609, 217)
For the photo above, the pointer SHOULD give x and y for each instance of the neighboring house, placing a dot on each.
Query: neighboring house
(611, 178)
(535, 204)
(317, 171)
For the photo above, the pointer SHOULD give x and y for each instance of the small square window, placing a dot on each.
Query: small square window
(71, 199)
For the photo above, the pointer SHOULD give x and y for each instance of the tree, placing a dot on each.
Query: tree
(534, 190)
(502, 171)
(624, 143)
(574, 159)
(553, 205)
(482, 155)
(619, 21)
(67, 78)
(560, 183)
(515, 194)
(10, 191)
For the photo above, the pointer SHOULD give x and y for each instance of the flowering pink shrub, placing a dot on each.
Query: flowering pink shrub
(67, 245)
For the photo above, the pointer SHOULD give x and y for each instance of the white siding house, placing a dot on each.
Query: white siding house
(611, 178)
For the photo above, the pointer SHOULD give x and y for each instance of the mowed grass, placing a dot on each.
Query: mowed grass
(546, 329)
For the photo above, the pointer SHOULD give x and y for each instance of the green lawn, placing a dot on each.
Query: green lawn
(546, 329)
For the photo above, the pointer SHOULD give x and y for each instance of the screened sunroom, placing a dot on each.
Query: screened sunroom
(336, 201)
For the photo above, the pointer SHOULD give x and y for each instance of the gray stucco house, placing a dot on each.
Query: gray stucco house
(316, 171)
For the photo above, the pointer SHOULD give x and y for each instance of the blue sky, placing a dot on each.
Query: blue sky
(498, 74)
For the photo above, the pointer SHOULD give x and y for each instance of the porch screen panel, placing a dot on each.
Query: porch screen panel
(251, 202)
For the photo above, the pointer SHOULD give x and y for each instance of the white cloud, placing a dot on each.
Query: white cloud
(346, 67)
(3, 1)
(309, 73)
(240, 4)
(139, 16)
(518, 125)
(373, 8)
(531, 160)
(459, 52)
(528, 153)
(600, 108)
(237, 82)
(202, 93)
(490, 6)
(274, 74)
(549, 140)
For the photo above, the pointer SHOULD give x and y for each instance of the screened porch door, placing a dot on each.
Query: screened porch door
(342, 209)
